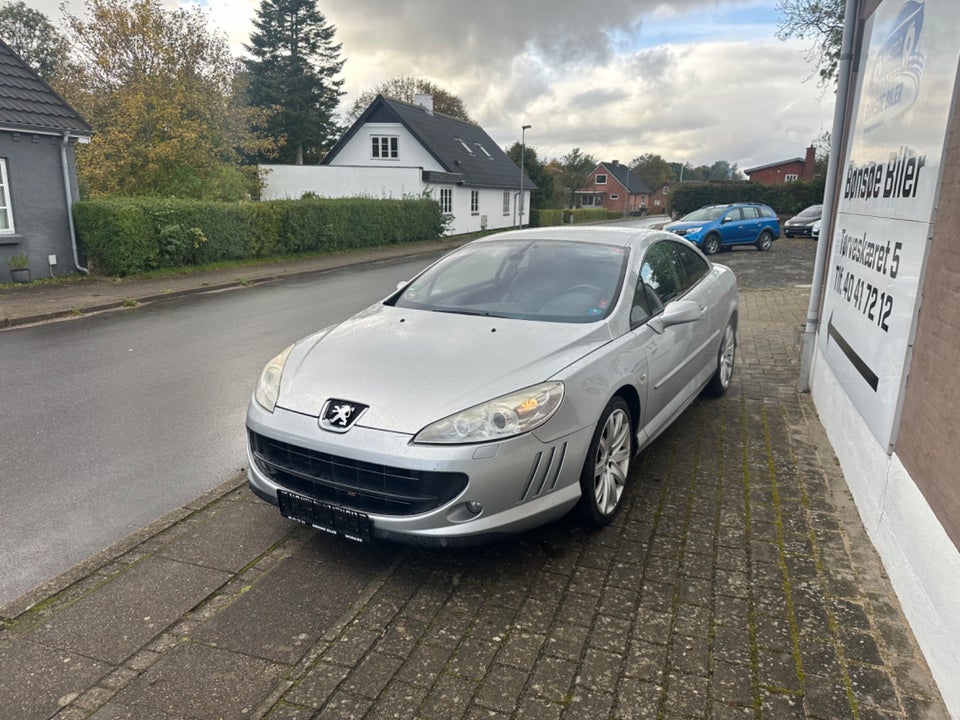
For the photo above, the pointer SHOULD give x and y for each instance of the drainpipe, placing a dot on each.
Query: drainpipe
(837, 138)
(69, 201)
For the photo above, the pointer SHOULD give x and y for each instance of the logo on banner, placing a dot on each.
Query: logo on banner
(897, 69)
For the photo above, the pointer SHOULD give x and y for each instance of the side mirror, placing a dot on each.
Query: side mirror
(677, 312)
(728, 218)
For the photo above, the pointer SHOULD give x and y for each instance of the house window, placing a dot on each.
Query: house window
(465, 146)
(484, 151)
(790, 177)
(614, 197)
(446, 200)
(506, 202)
(6, 211)
(601, 179)
(475, 202)
(383, 147)
(666, 189)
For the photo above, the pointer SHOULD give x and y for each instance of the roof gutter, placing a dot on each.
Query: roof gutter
(837, 138)
(68, 197)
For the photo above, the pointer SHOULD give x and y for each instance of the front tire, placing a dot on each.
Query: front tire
(726, 356)
(604, 474)
(711, 244)
(765, 240)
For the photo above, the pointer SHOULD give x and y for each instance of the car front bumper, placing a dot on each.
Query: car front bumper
(517, 483)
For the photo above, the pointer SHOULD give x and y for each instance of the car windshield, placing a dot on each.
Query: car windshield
(704, 213)
(545, 280)
(814, 211)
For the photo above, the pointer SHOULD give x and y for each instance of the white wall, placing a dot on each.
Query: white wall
(409, 150)
(920, 559)
(292, 181)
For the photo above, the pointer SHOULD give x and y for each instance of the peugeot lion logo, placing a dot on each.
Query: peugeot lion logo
(340, 415)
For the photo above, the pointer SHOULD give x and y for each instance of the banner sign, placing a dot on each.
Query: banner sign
(890, 177)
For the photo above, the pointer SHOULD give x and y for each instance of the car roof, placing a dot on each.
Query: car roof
(605, 235)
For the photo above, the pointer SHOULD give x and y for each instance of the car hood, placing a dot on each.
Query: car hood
(414, 367)
(673, 227)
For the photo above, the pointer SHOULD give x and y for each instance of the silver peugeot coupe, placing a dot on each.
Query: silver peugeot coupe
(508, 383)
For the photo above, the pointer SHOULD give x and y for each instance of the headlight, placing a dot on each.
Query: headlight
(698, 228)
(497, 419)
(268, 386)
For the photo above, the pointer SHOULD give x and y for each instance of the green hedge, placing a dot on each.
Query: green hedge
(123, 236)
(543, 218)
(785, 198)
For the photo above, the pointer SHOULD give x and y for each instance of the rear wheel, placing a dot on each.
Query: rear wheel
(765, 240)
(604, 474)
(711, 244)
(725, 359)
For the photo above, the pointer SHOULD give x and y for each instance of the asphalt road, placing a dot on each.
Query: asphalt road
(111, 421)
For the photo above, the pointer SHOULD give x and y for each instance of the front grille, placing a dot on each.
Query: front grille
(365, 487)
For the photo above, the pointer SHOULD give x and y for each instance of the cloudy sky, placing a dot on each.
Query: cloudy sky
(692, 80)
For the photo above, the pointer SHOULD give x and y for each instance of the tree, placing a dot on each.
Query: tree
(160, 92)
(405, 89)
(542, 195)
(574, 169)
(820, 21)
(654, 170)
(293, 75)
(32, 36)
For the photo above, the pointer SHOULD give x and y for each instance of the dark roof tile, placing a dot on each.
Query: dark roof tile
(29, 104)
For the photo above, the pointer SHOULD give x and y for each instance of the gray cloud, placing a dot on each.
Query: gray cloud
(581, 73)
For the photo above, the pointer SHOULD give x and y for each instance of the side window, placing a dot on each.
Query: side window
(767, 212)
(661, 272)
(694, 266)
(750, 213)
(733, 215)
(6, 211)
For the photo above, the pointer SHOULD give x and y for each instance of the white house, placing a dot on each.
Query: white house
(397, 150)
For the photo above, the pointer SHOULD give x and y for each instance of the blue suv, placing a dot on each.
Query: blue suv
(715, 227)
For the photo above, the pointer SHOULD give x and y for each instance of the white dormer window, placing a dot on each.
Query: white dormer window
(465, 146)
(383, 147)
(601, 179)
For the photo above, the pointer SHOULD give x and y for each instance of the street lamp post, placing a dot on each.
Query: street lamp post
(523, 137)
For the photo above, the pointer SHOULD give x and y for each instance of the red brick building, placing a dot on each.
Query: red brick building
(658, 199)
(612, 186)
(785, 170)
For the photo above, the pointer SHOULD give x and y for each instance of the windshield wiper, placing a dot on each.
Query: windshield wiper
(465, 311)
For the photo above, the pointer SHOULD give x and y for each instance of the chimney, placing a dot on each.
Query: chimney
(425, 101)
(615, 162)
(808, 162)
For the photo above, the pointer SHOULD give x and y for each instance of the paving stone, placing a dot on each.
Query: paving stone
(318, 685)
(400, 701)
(257, 624)
(113, 622)
(449, 698)
(552, 678)
(37, 680)
(501, 688)
(232, 538)
(195, 681)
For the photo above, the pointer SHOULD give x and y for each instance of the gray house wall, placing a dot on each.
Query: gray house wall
(37, 198)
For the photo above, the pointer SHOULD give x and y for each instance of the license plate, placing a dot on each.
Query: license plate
(324, 516)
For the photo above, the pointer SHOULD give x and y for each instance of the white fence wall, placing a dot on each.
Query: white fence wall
(290, 182)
